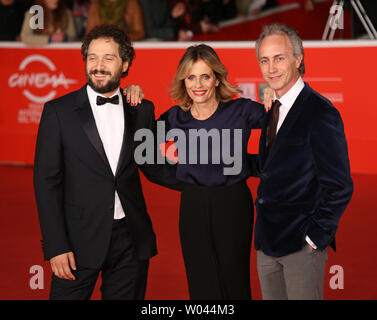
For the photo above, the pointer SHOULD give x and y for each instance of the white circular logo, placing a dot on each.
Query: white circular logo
(38, 80)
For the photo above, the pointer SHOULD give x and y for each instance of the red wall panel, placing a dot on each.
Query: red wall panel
(344, 73)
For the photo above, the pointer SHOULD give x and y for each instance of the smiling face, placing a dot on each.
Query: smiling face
(201, 84)
(104, 66)
(278, 65)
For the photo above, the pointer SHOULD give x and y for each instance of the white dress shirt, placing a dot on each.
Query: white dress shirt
(109, 120)
(287, 101)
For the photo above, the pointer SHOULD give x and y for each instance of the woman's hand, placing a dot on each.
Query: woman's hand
(134, 94)
(268, 98)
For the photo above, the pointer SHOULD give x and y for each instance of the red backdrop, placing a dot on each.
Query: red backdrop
(343, 73)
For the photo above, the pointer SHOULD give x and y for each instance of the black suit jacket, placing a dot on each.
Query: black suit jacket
(305, 181)
(75, 186)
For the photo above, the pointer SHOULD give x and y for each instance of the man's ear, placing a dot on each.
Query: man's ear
(299, 60)
(125, 66)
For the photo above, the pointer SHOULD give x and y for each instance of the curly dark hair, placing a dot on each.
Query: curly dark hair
(126, 51)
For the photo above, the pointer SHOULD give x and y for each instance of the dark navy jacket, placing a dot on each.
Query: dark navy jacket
(305, 181)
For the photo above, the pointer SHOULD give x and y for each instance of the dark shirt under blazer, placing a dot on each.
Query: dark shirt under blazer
(305, 181)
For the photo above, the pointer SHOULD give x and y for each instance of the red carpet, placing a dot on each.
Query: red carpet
(20, 242)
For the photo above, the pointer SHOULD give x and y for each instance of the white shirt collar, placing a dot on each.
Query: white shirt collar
(288, 99)
(93, 94)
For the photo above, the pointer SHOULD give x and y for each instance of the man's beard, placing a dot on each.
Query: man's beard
(111, 84)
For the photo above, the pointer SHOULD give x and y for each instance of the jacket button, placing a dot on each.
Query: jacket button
(260, 201)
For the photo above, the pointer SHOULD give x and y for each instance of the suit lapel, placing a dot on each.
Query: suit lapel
(289, 121)
(127, 145)
(88, 123)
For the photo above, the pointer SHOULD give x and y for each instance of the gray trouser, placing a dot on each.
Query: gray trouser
(296, 276)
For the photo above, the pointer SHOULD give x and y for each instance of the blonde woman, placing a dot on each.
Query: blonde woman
(216, 210)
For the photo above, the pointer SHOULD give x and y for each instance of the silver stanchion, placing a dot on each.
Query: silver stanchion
(335, 20)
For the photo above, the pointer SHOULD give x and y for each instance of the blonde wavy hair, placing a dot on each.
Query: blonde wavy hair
(224, 91)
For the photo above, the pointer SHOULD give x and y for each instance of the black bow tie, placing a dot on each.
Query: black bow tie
(102, 100)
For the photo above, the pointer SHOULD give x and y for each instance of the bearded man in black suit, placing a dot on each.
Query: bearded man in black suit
(90, 203)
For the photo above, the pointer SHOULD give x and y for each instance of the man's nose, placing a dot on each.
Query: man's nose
(100, 64)
(271, 67)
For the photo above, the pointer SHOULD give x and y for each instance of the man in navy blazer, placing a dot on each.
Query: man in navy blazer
(305, 181)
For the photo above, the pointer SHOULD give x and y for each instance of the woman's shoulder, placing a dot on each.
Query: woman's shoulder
(175, 110)
(243, 102)
(247, 101)
(245, 107)
(171, 113)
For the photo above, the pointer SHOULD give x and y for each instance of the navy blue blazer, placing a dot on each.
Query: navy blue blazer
(305, 180)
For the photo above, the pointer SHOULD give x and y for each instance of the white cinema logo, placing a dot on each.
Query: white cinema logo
(39, 80)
